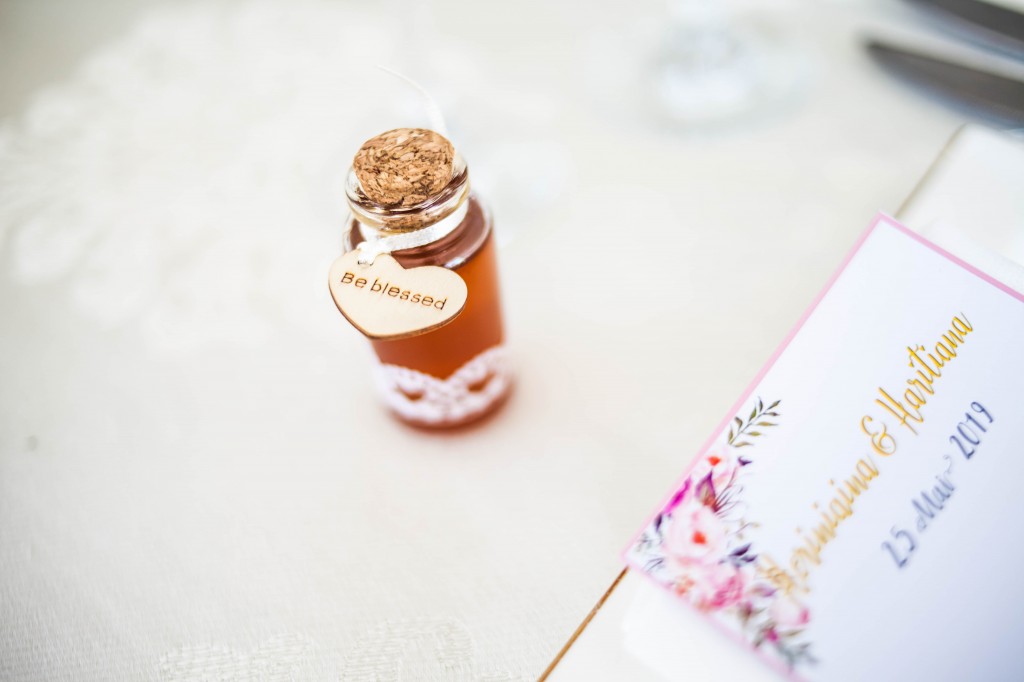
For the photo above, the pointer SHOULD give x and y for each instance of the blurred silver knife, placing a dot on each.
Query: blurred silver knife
(995, 25)
(999, 98)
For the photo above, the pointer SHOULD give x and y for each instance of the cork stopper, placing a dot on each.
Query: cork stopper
(404, 167)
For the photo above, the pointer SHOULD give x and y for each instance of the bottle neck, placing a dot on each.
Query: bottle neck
(390, 228)
(451, 251)
(377, 241)
(402, 218)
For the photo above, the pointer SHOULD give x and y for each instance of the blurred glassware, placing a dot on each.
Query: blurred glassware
(715, 63)
(698, 65)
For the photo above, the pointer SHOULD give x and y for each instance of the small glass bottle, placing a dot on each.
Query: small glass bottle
(457, 373)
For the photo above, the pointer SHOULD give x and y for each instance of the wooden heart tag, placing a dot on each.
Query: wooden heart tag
(383, 300)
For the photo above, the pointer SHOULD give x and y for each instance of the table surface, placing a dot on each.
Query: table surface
(194, 480)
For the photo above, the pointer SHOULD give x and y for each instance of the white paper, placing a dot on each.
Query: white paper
(951, 611)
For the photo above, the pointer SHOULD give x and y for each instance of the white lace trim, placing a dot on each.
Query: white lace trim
(185, 180)
(467, 393)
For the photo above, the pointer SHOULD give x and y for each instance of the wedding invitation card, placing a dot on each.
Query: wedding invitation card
(855, 515)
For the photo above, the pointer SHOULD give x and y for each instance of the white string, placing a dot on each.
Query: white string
(371, 248)
(434, 114)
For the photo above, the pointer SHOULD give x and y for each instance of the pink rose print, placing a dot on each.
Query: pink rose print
(718, 587)
(698, 545)
(722, 465)
(788, 613)
(694, 535)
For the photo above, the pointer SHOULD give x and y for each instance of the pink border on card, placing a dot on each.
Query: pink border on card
(881, 218)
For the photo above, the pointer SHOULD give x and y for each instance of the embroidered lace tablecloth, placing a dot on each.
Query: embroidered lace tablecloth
(194, 482)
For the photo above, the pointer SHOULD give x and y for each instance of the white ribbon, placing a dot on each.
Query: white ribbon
(375, 244)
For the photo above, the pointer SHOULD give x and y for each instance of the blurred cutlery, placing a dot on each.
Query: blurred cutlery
(993, 25)
(998, 97)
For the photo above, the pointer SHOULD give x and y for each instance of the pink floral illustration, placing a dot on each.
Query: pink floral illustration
(695, 536)
(789, 613)
(696, 546)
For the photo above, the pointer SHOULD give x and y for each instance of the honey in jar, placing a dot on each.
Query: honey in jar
(409, 195)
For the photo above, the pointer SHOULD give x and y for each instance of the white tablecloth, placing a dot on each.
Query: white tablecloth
(194, 484)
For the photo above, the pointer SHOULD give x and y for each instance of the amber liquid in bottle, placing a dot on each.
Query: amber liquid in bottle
(458, 372)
